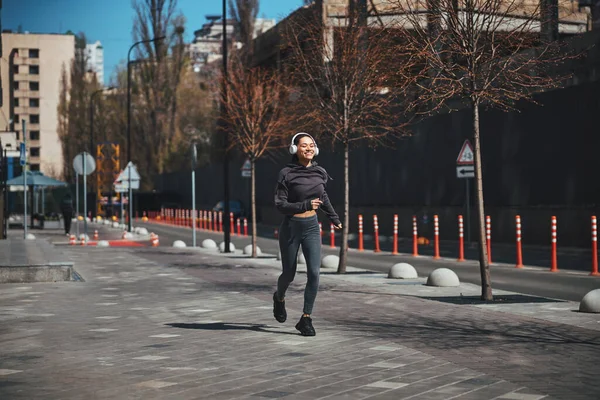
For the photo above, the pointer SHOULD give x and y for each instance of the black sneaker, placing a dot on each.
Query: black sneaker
(279, 309)
(305, 326)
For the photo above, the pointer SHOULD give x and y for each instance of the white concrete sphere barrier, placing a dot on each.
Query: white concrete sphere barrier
(103, 243)
(443, 277)
(179, 244)
(222, 247)
(72, 219)
(301, 258)
(115, 225)
(143, 231)
(30, 236)
(209, 244)
(12, 219)
(87, 219)
(83, 236)
(107, 222)
(136, 230)
(330, 261)
(402, 271)
(128, 235)
(590, 302)
(248, 250)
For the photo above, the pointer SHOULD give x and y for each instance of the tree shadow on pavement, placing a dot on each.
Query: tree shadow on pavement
(229, 326)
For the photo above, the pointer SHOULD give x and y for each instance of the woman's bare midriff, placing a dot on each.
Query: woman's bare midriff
(306, 214)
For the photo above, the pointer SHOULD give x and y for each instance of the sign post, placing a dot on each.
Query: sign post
(194, 159)
(84, 164)
(23, 162)
(466, 170)
(128, 180)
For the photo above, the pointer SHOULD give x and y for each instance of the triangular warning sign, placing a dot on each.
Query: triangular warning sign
(247, 166)
(465, 157)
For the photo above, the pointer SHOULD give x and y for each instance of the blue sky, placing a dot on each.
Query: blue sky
(110, 21)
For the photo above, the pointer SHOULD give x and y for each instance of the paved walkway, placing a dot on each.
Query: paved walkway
(157, 323)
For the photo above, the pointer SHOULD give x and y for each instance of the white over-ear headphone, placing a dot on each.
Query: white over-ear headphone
(294, 149)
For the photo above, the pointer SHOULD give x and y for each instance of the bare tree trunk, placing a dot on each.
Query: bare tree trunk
(486, 285)
(253, 205)
(346, 223)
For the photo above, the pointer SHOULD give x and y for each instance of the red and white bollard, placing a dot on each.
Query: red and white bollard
(461, 239)
(360, 233)
(231, 223)
(321, 232)
(331, 236)
(395, 244)
(210, 226)
(215, 219)
(553, 260)
(220, 221)
(95, 235)
(488, 233)
(72, 240)
(415, 237)
(239, 229)
(594, 247)
(245, 226)
(519, 249)
(376, 229)
(436, 237)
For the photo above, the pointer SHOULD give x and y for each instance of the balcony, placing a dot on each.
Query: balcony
(27, 110)
(32, 127)
(26, 93)
(27, 77)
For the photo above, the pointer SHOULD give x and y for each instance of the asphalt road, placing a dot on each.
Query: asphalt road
(537, 281)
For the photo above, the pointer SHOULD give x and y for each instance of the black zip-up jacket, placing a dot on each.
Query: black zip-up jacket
(297, 185)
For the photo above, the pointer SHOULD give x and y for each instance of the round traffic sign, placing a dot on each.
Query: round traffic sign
(84, 163)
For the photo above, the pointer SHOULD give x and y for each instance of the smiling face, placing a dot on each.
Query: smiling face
(306, 150)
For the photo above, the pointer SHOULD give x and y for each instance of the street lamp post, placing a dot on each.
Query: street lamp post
(129, 119)
(92, 152)
(226, 227)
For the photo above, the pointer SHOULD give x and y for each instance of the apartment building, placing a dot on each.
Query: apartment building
(31, 69)
(95, 60)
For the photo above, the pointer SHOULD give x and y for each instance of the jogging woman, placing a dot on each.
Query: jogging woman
(300, 193)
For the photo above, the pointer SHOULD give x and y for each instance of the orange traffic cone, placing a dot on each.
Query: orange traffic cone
(82, 241)
(96, 235)
(72, 240)
(124, 235)
(154, 240)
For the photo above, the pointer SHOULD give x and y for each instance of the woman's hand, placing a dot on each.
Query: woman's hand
(338, 227)
(315, 204)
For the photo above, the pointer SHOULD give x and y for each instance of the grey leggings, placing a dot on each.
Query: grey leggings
(293, 233)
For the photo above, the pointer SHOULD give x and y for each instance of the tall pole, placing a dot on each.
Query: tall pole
(24, 181)
(83, 160)
(194, 158)
(77, 202)
(92, 152)
(226, 228)
(129, 116)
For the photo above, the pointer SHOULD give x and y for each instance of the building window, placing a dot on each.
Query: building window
(15, 69)
(34, 102)
(16, 85)
(34, 135)
(35, 86)
(34, 69)
(34, 152)
(34, 167)
(16, 118)
(34, 119)
(34, 53)
(16, 102)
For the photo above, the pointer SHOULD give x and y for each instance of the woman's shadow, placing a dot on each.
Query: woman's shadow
(227, 326)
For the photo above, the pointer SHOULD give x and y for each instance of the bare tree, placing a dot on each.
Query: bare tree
(244, 14)
(340, 71)
(256, 117)
(478, 53)
(158, 68)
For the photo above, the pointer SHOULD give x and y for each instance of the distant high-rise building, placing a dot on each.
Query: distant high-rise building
(207, 44)
(95, 60)
(31, 69)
